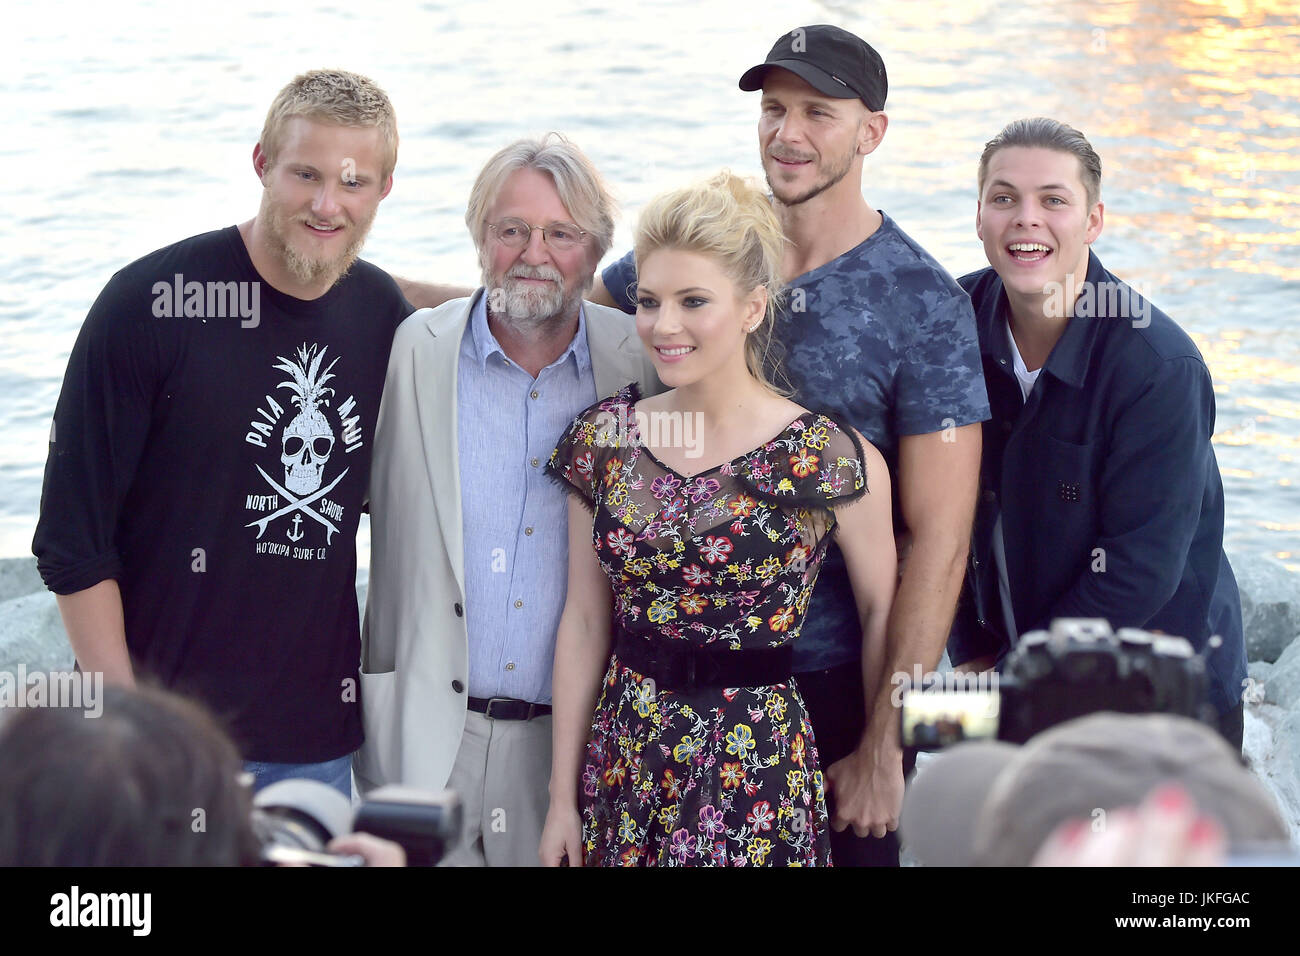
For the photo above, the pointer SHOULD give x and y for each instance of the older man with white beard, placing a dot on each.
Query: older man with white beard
(469, 542)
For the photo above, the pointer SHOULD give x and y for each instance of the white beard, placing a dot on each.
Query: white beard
(525, 307)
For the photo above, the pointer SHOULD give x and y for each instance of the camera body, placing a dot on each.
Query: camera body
(1079, 666)
(296, 819)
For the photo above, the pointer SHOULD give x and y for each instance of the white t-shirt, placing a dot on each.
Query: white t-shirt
(1023, 375)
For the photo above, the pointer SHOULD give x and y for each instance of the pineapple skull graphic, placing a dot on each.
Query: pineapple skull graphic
(308, 439)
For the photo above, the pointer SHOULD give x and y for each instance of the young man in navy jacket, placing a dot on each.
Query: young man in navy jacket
(1099, 492)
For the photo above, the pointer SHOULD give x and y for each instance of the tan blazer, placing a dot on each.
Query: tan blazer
(414, 652)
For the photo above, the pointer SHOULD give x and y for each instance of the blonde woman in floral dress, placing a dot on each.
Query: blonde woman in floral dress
(698, 521)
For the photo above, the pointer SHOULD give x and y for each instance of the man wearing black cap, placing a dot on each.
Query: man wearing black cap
(878, 332)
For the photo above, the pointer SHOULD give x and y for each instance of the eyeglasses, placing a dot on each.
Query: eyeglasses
(560, 236)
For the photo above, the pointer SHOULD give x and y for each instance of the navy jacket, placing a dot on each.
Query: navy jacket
(1109, 492)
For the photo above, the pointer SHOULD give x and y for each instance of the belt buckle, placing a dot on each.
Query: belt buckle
(495, 700)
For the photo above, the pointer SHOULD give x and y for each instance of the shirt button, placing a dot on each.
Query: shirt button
(990, 495)
(519, 604)
(460, 611)
(534, 393)
(535, 462)
(528, 531)
(510, 665)
(457, 686)
(1002, 361)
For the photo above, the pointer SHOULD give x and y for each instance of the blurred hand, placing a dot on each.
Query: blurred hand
(375, 851)
(1165, 830)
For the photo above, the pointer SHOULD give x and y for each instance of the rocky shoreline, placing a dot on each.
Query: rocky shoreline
(31, 633)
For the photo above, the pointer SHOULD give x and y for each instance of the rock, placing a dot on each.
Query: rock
(18, 578)
(1270, 605)
(31, 633)
(1282, 775)
(1259, 670)
(1256, 740)
(1283, 684)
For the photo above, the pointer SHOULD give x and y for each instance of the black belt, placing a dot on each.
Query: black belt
(679, 665)
(507, 708)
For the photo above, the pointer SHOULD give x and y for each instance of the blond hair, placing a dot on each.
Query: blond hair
(333, 96)
(579, 185)
(730, 220)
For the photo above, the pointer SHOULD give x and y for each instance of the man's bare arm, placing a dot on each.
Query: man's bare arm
(430, 295)
(600, 295)
(97, 633)
(938, 481)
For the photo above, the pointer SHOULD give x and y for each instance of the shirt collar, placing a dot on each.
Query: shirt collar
(1072, 354)
(486, 345)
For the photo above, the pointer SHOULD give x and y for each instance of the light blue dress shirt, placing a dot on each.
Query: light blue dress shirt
(515, 516)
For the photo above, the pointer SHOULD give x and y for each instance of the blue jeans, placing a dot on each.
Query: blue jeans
(337, 773)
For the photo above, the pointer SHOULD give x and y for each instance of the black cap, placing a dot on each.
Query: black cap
(831, 60)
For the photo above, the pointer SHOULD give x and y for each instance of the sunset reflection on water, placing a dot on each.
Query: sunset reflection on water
(1194, 108)
(142, 128)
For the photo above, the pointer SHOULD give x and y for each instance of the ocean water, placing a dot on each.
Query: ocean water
(131, 126)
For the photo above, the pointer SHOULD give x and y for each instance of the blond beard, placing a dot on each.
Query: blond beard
(276, 225)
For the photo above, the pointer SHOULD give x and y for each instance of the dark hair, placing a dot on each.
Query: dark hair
(1045, 133)
(152, 781)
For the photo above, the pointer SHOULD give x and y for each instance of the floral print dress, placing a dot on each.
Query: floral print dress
(711, 776)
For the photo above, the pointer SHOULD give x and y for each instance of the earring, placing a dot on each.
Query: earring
(755, 326)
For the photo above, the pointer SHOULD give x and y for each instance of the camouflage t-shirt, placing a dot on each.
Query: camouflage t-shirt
(886, 338)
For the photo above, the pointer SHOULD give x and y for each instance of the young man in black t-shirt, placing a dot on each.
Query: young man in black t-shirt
(210, 450)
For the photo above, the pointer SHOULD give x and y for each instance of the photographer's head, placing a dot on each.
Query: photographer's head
(709, 267)
(994, 804)
(154, 781)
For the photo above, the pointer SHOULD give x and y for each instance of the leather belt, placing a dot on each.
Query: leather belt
(678, 665)
(507, 708)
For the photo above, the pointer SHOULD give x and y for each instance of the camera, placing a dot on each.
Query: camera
(296, 819)
(1078, 667)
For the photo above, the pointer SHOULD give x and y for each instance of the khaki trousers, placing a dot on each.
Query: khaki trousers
(502, 774)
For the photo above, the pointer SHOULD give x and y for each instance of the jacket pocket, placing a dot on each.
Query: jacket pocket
(1067, 484)
(378, 762)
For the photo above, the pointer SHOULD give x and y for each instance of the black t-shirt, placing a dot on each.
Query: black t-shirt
(211, 452)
